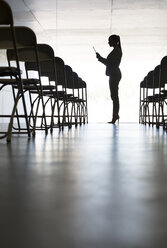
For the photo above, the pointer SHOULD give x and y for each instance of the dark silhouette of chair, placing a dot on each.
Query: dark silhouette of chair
(152, 99)
(163, 94)
(77, 97)
(71, 95)
(47, 69)
(157, 97)
(53, 68)
(48, 89)
(61, 81)
(33, 53)
(9, 40)
(83, 100)
(148, 85)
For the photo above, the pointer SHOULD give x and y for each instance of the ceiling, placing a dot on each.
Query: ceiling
(71, 27)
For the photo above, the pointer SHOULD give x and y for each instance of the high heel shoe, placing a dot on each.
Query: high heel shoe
(114, 119)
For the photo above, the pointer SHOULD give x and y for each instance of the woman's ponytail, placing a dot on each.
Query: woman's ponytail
(118, 41)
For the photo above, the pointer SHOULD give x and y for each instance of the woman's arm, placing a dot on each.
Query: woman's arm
(101, 59)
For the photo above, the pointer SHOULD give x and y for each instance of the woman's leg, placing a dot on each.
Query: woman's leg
(114, 96)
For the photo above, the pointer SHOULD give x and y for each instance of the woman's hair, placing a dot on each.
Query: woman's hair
(116, 38)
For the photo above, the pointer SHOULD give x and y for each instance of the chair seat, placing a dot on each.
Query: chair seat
(31, 81)
(37, 87)
(9, 71)
(72, 98)
(155, 98)
(6, 81)
(81, 100)
(57, 92)
(14, 82)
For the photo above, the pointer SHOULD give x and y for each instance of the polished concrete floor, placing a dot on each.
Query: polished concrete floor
(97, 186)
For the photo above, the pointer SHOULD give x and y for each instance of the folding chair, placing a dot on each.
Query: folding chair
(47, 90)
(78, 97)
(83, 100)
(142, 96)
(61, 82)
(53, 68)
(80, 101)
(163, 94)
(146, 85)
(152, 102)
(8, 40)
(34, 62)
(72, 97)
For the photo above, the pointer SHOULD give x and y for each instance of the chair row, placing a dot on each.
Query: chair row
(47, 93)
(153, 96)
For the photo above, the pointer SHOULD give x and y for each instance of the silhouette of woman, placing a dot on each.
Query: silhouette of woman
(112, 63)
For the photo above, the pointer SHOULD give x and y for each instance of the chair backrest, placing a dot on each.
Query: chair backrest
(24, 36)
(157, 82)
(76, 80)
(163, 76)
(84, 84)
(48, 70)
(46, 60)
(42, 61)
(143, 83)
(6, 16)
(7, 31)
(150, 79)
(26, 48)
(60, 70)
(26, 54)
(69, 77)
(164, 63)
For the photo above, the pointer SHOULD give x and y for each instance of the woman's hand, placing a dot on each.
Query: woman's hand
(98, 56)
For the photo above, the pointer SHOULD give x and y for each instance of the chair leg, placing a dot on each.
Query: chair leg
(10, 126)
(26, 116)
(17, 114)
(52, 117)
(35, 120)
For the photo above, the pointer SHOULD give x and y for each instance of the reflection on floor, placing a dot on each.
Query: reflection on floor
(97, 186)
